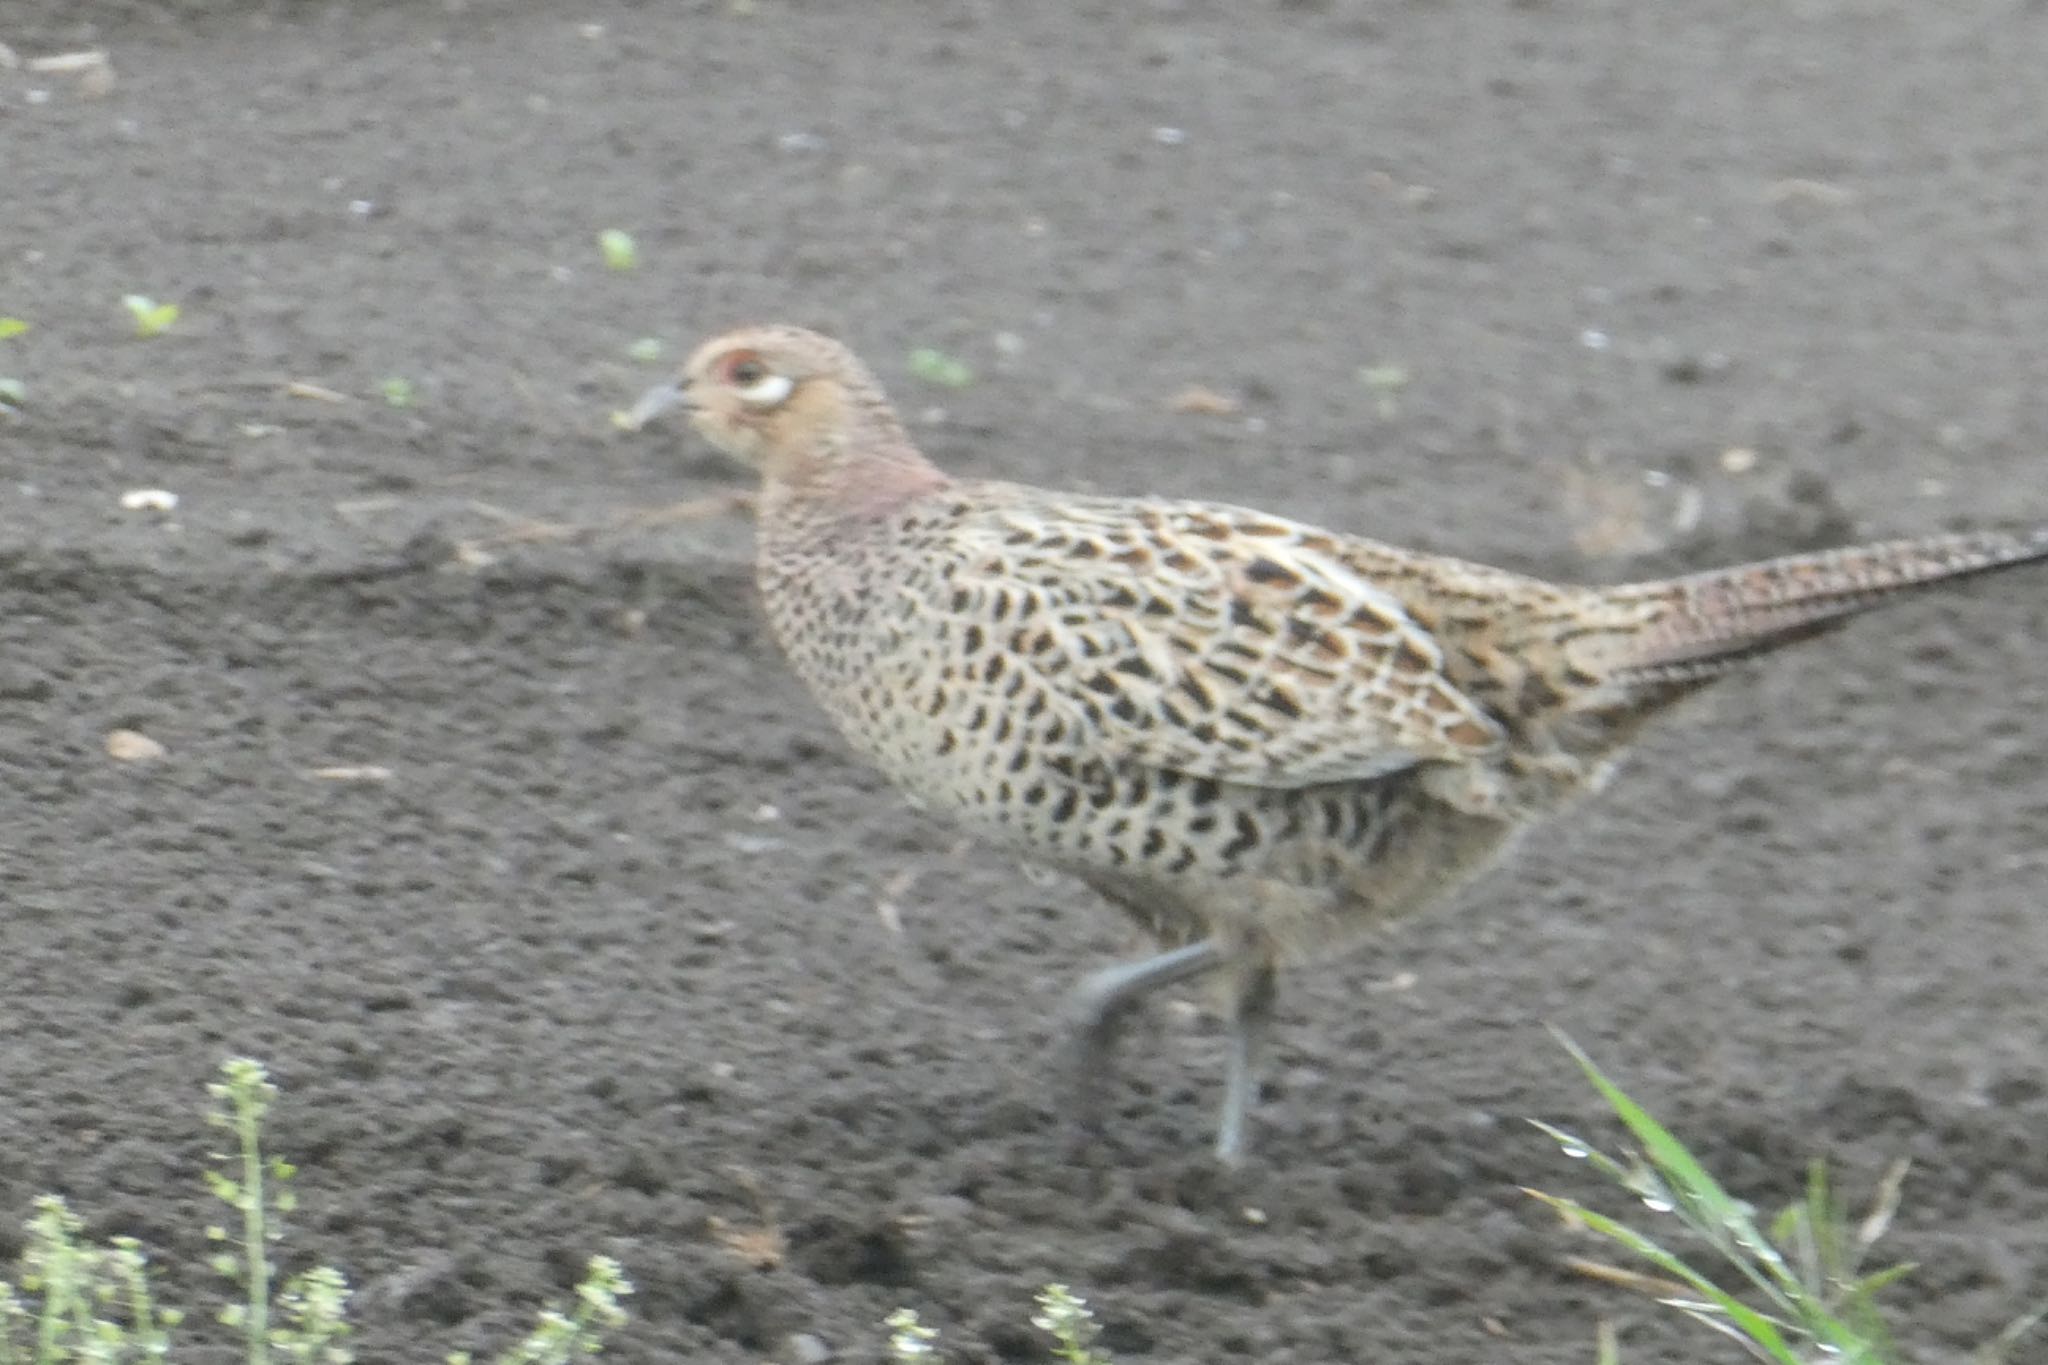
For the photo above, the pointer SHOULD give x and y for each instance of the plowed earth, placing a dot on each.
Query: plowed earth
(600, 962)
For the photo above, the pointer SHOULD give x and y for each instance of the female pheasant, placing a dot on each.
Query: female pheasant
(1259, 738)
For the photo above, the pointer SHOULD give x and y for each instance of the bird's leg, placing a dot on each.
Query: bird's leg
(1101, 1003)
(1251, 1021)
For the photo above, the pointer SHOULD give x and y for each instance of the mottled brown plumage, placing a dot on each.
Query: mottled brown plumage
(1259, 738)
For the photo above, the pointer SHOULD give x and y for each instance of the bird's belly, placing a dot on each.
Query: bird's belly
(1285, 871)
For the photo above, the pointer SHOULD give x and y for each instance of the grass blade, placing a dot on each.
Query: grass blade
(1757, 1326)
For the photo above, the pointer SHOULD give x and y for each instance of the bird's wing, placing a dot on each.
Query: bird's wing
(1218, 642)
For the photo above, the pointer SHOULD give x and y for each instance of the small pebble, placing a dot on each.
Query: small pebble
(808, 1349)
(132, 746)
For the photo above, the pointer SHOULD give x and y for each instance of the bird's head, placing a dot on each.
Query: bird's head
(791, 403)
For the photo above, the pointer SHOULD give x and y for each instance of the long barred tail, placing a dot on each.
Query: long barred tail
(1705, 623)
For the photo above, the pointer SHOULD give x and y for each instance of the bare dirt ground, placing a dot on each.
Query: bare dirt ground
(599, 967)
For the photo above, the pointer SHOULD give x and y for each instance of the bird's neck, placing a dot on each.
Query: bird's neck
(863, 479)
(829, 539)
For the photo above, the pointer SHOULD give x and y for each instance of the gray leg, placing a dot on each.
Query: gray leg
(1250, 1023)
(1101, 1003)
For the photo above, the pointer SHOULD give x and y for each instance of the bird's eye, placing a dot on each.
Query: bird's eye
(755, 380)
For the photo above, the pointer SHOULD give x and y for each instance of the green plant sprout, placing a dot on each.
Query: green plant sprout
(260, 1190)
(11, 327)
(934, 366)
(1386, 383)
(151, 318)
(1606, 1344)
(398, 391)
(909, 1339)
(563, 1337)
(1807, 1270)
(620, 251)
(93, 1303)
(75, 1304)
(1066, 1318)
(1061, 1314)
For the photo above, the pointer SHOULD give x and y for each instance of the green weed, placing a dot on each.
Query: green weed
(151, 318)
(78, 1304)
(618, 248)
(1808, 1295)
(1061, 1315)
(936, 367)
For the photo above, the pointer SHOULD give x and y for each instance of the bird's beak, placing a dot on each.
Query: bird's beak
(656, 401)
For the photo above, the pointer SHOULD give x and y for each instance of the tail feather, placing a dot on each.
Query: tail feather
(1707, 623)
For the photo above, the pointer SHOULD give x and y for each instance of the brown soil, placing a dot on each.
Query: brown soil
(600, 968)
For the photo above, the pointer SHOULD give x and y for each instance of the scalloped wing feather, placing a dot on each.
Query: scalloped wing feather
(1215, 641)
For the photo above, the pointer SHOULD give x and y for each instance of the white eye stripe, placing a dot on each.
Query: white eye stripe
(768, 390)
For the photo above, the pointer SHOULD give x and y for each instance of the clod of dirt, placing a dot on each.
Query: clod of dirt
(1202, 402)
(351, 773)
(835, 1249)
